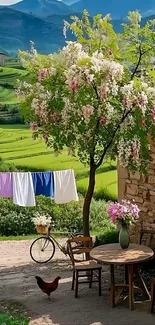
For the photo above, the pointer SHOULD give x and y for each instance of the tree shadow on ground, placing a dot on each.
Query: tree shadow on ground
(19, 284)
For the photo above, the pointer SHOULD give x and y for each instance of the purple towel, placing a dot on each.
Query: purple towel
(6, 185)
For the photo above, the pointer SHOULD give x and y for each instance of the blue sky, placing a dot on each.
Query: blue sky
(8, 2)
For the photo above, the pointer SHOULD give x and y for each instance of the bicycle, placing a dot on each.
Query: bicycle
(45, 247)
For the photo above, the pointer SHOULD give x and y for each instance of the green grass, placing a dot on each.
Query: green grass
(10, 75)
(13, 320)
(17, 146)
(11, 62)
(18, 238)
(8, 96)
(8, 79)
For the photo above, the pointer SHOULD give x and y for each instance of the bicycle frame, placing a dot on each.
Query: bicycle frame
(59, 245)
(50, 236)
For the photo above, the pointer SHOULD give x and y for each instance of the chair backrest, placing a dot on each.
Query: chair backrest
(79, 245)
(149, 235)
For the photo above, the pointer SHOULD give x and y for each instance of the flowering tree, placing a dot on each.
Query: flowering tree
(92, 97)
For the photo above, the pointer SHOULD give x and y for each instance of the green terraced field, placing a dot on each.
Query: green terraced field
(8, 79)
(17, 146)
(10, 75)
(8, 96)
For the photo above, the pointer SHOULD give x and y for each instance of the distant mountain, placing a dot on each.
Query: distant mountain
(69, 2)
(47, 36)
(118, 9)
(59, 19)
(3, 51)
(42, 7)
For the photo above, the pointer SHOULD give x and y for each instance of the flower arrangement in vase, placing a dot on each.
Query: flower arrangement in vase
(124, 213)
(42, 223)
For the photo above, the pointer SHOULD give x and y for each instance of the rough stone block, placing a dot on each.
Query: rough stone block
(132, 189)
(130, 197)
(151, 179)
(151, 171)
(128, 181)
(152, 199)
(135, 176)
(138, 199)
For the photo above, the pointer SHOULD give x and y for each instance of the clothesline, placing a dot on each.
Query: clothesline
(24, 186)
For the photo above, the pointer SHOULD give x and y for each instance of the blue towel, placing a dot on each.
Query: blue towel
(43, 183)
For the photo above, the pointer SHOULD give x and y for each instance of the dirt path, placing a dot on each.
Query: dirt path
(17, 283)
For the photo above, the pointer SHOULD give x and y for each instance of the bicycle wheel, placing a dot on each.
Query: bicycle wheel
(42, 250)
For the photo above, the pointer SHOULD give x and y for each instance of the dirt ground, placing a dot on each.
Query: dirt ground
(18, 284)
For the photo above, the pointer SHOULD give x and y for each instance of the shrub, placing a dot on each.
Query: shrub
(108, 237)
(16, 220)
(7, 167)
(68, 217)
(16, 224)
(98, 216)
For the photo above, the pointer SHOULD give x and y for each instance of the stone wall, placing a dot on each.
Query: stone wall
(141, 190)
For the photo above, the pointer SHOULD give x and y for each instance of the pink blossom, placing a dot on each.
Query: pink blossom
(73, 85)
(153, 110)
(125, 101)
(87, 111)
(102, 121)
(144, 100)
(103, 92)
(135, 102)
(125, 211)
(143, 123)
(33, 126)
(54, 117)
(153, 114)
(110, 52)
(43, 74)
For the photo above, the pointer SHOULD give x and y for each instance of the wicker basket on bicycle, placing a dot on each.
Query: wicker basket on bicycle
(42, 229)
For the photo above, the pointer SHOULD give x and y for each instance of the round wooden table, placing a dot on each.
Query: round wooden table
(113, 254)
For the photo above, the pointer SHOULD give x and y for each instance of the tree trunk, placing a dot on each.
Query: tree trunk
(87, 201)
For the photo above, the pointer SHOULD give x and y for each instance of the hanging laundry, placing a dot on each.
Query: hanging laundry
(23, 192)
(6, 185)
(43, 183)
(65, 186)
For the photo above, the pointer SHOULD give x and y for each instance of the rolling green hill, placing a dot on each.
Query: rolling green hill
(8, 80)
(9, 103)
(17, 146)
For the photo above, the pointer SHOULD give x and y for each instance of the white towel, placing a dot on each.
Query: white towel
(65, 186)
(23, 191)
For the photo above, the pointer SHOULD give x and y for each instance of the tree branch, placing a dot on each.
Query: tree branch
(97, 124)
(141, 53)
(138, 63)
(124, 116)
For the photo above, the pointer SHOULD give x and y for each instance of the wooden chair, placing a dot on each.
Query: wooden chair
(152, 303)
(149, 233)
(84, 268)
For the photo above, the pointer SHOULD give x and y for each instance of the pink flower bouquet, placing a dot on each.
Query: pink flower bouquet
(123, 213)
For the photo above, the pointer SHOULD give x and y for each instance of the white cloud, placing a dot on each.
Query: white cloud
(8, 2)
